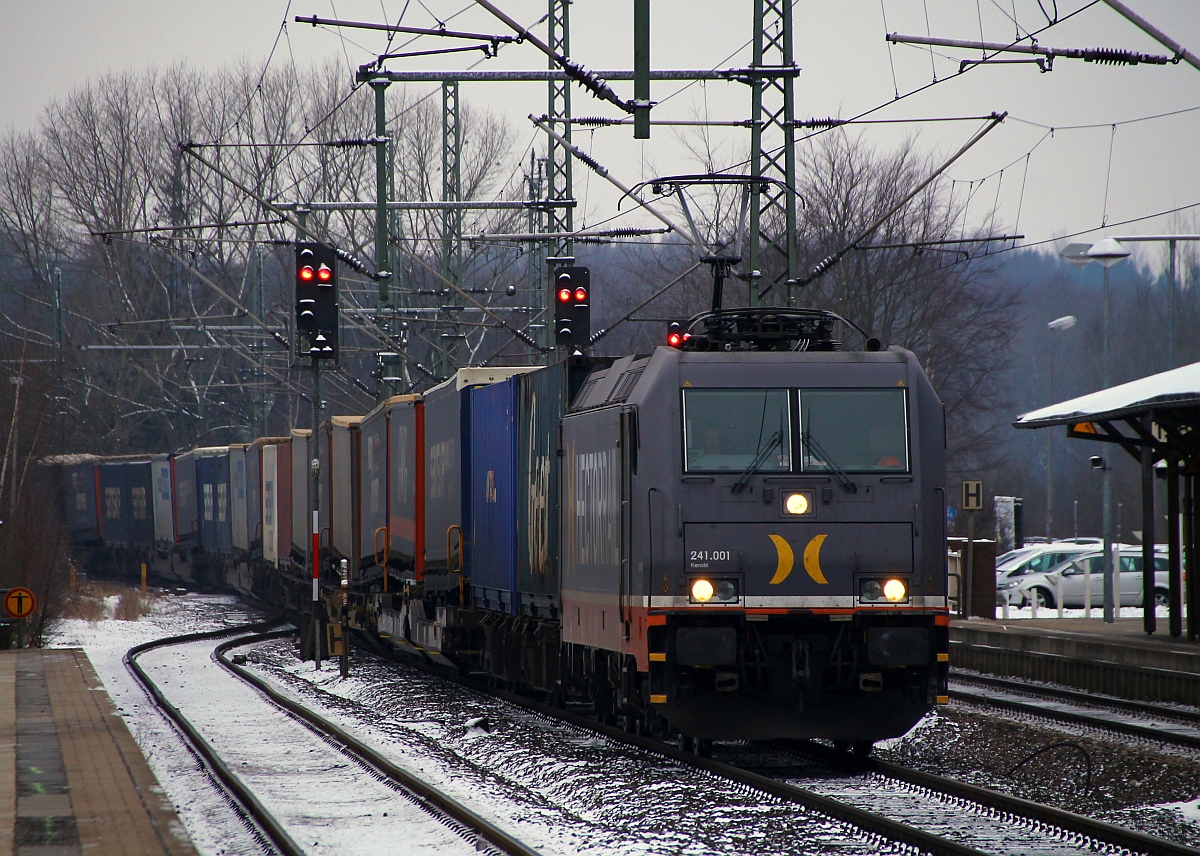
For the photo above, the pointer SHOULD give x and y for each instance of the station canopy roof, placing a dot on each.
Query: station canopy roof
(1167, 391)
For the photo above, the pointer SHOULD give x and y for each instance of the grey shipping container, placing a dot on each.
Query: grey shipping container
(301, 528)
(542, 398)
(406, 485)
(345, 484)
(164, 501)
(277, 503)
(187, 513)
(239, 531)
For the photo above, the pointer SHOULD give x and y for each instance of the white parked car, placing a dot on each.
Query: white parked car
(1039, 558)
(1069, 580)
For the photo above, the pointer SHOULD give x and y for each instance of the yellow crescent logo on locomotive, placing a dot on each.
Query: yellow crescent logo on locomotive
(812, 559)
(786, 559)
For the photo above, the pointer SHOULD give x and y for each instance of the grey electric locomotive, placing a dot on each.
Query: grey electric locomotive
(753, 538)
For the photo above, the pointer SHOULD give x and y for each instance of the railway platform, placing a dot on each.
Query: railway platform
(72, 779)
(1117, 659)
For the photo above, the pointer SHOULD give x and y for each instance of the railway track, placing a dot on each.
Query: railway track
(1057, 826)
(981, 821)
(1158, 723)
(318, 747)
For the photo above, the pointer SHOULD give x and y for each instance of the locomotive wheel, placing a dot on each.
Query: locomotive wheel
(685, 743)
(702, 748)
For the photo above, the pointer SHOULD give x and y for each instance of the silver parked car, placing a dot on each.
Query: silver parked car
(1038, 558)
(1069, 580)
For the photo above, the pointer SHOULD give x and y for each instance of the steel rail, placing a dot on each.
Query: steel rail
(1130, 728)
(268, 826)
(885, 827)
(1089, 699)
(485, 829)
(1099, 830)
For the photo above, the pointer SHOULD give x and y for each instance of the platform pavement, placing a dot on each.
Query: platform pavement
(1117, 658)
(72, 779)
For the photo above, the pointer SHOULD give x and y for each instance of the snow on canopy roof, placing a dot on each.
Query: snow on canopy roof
(1174, 388)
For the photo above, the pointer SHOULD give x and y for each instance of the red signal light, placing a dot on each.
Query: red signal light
(306, 273)
(564, 295)
(324, 274)
(580, 294)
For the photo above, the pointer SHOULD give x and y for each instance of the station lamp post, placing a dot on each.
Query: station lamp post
(1066, 322)
(1107, 252)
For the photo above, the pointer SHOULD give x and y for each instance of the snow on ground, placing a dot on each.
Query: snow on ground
(563, 791)
(201, 807)
(560, 789)
(1013, 614)
(326, 802)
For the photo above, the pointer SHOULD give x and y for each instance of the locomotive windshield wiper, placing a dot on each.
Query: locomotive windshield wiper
(756, 464)
(844, 480)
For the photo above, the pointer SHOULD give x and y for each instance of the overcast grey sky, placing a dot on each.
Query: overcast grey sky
(1053, 182)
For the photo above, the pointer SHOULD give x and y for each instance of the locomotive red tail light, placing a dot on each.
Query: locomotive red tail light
(674, 340)
(306, 273)
(564, 295)
(580, 294)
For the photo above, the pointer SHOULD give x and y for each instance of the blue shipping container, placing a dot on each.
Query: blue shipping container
(139, 485)
(79, 501)
(212, 481)
(114, 505)
(493, 478)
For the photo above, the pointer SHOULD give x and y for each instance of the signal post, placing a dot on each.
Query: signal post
(317, 321)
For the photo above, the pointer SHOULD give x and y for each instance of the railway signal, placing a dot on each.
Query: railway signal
(316, 301)
(572, 307)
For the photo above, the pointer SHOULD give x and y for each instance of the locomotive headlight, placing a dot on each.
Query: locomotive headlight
(797, 503)
(714, 591)
(883, 590)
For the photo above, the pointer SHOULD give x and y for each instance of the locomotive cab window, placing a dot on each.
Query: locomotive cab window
(730, 430)
(857, 430)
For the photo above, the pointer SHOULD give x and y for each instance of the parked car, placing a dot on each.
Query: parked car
(1038, 559)
(1069, 580)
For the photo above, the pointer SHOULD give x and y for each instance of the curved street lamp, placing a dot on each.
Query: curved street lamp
(1066, 322)
(1107, 252)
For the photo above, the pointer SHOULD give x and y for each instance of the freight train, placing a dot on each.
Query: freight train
(738, 536)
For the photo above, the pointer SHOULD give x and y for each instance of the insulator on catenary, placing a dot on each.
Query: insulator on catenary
(821, 123)
(1113, 56)
(594, 120)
